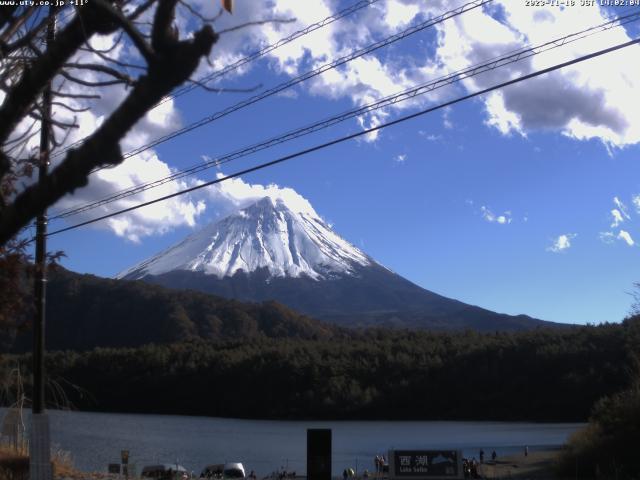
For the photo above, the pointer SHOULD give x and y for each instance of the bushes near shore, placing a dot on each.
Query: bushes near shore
(608, 446)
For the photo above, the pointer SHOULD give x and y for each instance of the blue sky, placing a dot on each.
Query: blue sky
(507, 201)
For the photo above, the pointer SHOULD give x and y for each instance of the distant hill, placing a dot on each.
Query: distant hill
(271, 250)
(85, 311)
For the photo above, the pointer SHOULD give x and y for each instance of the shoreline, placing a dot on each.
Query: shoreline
(27, 411)
(537, 465)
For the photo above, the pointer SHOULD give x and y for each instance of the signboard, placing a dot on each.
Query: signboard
(426, 464)
(124, 454)
(114, 468)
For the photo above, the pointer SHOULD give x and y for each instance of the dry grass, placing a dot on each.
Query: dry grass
(14, 464)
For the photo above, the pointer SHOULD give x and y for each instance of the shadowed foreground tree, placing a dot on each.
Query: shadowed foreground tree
(608, 446)
(131, 50)
(162, 62)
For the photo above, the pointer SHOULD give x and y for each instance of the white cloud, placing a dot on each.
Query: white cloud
(596, 99)
(589, 100)
(154, 219)
(635, 199)
(617, 218)
(607, 237)
(624, 235)
(622, 207)
(489, 216)
(446, 118)
(593, 99)
(429, 136)
(562, 243)
(400, 158)
(611, 237)
(620, 215)
(234, 194)
(500, 117)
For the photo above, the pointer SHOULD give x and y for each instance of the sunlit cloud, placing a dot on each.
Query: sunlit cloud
(562, 243)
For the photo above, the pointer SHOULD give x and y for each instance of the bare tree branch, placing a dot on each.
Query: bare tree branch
(70, 108)
(223, 89)
(6, 49)
(6, 14)
(254, 23)
(21, 136)
(75, 95)
(17, 22)
(97, 67)
(109, 59)
(140, 9)
(174, 62)
(91, 83)
(197, 14)
(128, 27)
(58, 123)
(162, 33)
(20, 97)
(92, 49)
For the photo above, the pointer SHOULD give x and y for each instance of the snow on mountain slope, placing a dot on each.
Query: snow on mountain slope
(267, 234)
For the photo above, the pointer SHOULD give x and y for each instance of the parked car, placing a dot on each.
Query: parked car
(226, 471)
(165, 471)
(213, 471)
(233, 471)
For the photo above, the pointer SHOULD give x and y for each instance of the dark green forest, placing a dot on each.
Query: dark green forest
(546, 374)
(85, 312)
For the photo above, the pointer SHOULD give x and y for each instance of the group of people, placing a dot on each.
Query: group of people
(381, 464)
(470, 467)
(494, 455)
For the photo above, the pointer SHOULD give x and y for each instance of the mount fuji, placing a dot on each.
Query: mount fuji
(275, 250)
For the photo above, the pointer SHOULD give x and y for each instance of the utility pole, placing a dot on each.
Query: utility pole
(40, 445)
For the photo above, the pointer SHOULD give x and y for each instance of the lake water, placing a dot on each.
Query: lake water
(96, 439)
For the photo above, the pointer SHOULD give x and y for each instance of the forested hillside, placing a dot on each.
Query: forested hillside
(84, 312)
(536, 375)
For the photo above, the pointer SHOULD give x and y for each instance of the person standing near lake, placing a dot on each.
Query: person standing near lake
(481, 456)
(526, 451)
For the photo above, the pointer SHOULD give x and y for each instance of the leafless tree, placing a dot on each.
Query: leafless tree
(161, 62)
(160, 56)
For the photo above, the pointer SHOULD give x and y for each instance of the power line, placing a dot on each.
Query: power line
(250, 58)
(301, 78)
(304, 77)
(243, 61)
(487, 65)
(356, 135)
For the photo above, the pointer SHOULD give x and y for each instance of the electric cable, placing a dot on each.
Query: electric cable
(250, 58)
(355, 135)
(299, 79)
(487, 65)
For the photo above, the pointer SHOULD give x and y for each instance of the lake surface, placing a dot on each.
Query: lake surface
(96, 439)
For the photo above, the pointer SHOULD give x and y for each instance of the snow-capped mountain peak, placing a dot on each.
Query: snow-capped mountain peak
(268, 234)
